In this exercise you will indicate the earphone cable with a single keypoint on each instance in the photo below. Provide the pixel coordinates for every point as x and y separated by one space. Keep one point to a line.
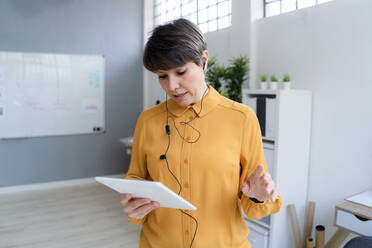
169 141
187 123
196 226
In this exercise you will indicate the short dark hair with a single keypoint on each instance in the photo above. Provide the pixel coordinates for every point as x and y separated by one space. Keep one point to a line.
174 44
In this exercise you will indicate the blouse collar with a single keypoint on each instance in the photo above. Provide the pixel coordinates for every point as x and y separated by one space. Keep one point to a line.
207 104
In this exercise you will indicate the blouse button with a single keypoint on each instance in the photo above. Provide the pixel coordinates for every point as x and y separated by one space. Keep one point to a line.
185 161
190 118
186 185
187 232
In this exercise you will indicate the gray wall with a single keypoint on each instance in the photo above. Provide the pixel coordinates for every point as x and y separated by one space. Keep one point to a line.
112 28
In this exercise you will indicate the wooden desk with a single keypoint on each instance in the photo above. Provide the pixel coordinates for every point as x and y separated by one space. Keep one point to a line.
354 218
350 217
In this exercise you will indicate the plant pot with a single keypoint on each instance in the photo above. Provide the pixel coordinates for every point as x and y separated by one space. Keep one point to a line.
286 85
263 85
273 85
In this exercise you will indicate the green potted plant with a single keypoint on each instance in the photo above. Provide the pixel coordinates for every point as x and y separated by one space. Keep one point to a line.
286 82
235 75
273 82
263 84
215 74
228 81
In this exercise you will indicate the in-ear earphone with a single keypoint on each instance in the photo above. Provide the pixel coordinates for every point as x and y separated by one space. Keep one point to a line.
204 63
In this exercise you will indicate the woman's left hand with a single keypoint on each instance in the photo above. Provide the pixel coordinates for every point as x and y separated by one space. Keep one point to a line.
260 186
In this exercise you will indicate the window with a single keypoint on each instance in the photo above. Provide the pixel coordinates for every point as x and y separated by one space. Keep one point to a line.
276 7
209 15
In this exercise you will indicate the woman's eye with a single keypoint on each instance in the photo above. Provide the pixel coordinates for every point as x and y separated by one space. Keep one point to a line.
179 73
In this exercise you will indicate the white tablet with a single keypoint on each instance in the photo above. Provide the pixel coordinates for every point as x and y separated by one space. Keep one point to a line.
156 191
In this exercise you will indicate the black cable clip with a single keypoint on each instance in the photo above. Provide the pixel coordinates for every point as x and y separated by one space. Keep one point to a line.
167 129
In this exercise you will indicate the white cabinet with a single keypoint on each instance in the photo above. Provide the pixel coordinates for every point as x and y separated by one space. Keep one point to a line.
269 151
258 236
286 139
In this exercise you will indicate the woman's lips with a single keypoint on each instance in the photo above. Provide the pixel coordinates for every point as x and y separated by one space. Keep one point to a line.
180 96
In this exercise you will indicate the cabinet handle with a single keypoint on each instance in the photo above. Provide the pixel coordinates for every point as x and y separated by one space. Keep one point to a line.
361 218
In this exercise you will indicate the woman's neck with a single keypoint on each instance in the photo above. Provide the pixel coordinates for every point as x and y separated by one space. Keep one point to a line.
203 93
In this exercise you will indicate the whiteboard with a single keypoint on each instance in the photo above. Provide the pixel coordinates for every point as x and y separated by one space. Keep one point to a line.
50 94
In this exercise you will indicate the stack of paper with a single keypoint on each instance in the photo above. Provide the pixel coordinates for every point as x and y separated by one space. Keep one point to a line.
364 198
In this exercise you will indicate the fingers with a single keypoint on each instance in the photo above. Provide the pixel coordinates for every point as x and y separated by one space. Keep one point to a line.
134 204
143 210
269 186
259 185
256 182
137 208
124 198
267 176
245 187
270 191
258 171
266 179
273 195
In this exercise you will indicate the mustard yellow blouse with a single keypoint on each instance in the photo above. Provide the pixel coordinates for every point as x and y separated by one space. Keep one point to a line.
210 170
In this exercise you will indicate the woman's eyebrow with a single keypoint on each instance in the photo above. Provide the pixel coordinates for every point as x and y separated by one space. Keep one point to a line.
173 69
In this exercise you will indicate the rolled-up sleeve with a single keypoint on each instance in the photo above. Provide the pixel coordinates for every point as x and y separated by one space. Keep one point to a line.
252 154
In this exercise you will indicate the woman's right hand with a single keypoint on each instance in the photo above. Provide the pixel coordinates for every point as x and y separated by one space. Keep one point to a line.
137 207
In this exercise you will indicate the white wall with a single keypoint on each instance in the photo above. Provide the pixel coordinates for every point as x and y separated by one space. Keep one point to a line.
327 49
223 44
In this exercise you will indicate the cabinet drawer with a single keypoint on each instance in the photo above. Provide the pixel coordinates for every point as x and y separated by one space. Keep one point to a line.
269 156
350 222
258 236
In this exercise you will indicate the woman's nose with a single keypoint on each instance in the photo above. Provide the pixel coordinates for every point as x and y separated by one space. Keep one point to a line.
173 83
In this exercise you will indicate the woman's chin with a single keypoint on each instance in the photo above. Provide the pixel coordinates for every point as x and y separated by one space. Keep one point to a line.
183 101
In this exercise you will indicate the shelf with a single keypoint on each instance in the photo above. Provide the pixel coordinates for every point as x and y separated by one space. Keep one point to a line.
260 223
268 145
260 92
268 139
285 114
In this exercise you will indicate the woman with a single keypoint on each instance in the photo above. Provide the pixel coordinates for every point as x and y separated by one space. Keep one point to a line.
201 145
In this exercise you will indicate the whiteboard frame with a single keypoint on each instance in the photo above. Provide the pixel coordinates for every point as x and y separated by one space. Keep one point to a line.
26 134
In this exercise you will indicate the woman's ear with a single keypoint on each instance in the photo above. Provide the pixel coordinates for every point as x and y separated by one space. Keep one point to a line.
205 60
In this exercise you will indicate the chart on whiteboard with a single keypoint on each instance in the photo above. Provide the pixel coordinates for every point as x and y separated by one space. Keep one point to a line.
50 94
